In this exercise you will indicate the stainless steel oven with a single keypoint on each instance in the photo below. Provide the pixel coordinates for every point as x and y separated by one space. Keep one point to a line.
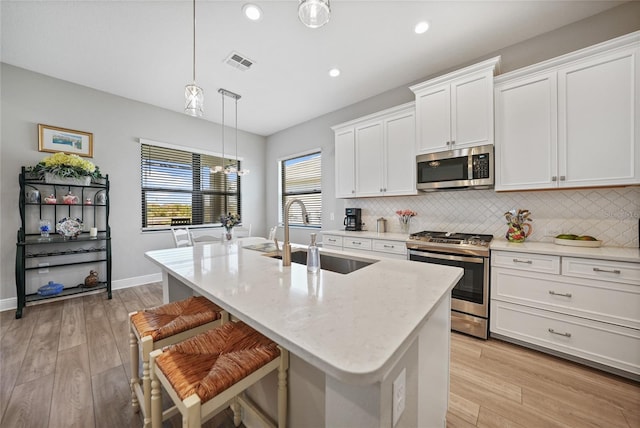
470 297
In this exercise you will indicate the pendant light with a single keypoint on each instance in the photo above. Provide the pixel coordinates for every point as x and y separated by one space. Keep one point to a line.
230 168
193 94
314 13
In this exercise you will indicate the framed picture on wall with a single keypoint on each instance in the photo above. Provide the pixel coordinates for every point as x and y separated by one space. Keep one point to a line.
53 139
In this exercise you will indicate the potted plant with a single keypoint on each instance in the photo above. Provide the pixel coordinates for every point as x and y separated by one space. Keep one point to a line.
63 168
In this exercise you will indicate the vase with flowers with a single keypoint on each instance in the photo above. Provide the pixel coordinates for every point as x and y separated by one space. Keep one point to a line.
405 216
63 168
228 222
518 229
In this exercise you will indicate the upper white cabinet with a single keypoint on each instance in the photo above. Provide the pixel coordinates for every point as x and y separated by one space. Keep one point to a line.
456 110
571 121
375 155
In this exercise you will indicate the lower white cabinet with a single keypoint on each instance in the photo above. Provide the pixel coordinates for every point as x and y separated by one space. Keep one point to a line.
579 307
382 247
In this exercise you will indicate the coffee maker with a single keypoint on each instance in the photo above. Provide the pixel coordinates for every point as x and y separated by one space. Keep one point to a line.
353 219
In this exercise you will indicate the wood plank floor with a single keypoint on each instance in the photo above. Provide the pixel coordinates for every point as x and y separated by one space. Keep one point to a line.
66 364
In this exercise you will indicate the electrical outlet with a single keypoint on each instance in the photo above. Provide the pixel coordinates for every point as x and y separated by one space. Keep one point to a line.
399 395
44 268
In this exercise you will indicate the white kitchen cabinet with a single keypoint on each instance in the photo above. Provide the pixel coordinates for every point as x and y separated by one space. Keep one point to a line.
582 308
370 243
571 121
526 133
344 163
375 155
456 110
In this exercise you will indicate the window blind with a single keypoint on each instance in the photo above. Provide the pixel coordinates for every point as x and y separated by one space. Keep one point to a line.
179 187
301 179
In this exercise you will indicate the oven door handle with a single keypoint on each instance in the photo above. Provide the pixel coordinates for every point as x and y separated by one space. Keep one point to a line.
478 260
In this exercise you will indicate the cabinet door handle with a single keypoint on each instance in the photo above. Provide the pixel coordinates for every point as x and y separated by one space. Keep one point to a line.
448 143
563 178
554 178
559 334
553 293
453 142
616 271
529 262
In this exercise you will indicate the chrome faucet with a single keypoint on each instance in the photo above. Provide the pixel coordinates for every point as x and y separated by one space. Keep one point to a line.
286 246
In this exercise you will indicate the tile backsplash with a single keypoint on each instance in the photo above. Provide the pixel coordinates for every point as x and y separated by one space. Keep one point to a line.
609 214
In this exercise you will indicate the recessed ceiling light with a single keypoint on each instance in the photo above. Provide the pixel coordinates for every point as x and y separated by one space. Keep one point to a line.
334 72
252 11
421 27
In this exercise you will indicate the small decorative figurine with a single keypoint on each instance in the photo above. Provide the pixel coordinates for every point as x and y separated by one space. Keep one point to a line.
88 201
51 199
70 199
92 279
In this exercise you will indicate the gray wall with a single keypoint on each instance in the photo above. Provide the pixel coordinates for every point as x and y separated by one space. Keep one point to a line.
316 133
116 123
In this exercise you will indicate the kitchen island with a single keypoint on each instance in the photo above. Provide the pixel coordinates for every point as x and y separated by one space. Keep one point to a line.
350 335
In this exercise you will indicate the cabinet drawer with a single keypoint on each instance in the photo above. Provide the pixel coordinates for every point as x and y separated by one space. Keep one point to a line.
607 344
603 270
597 300
393 247
357 243
332 240
526 261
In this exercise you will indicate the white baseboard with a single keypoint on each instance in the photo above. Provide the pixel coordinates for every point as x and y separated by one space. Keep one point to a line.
12 302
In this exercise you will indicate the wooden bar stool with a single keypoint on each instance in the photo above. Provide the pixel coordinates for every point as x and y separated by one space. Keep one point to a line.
208 372
164 325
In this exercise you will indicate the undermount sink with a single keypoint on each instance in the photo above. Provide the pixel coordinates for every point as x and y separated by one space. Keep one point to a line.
333 263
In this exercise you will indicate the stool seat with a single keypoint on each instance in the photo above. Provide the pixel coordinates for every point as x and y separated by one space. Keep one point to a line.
215 360
172 318
206 373
160 326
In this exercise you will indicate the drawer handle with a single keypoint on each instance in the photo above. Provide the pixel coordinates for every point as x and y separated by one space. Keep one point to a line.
529 262
559 334
553 293
389 246
616 271
356 243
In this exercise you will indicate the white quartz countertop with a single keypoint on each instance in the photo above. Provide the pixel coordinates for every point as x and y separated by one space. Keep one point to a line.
621 254
366 234
352 326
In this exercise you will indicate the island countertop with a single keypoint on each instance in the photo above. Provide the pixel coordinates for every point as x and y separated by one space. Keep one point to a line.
352 326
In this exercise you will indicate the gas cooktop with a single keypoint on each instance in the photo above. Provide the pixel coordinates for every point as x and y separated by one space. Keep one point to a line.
451 242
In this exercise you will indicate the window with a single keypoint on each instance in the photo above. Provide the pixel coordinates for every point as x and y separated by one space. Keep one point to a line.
301 179
179 187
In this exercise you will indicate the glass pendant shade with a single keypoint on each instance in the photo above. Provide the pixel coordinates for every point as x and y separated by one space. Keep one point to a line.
314 13
194 100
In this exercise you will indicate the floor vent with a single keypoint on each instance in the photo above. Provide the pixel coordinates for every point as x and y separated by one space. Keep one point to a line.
239 61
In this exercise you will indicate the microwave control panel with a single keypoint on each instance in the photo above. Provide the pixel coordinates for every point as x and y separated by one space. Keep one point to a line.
480 166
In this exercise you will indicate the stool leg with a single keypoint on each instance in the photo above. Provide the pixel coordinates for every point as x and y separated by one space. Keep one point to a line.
282 388
192 418
133 356
147 347
156 394
235 408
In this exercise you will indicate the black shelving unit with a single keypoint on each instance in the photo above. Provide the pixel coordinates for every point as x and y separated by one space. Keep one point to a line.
35 253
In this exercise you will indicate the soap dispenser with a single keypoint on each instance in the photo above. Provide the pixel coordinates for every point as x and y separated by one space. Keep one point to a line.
313 256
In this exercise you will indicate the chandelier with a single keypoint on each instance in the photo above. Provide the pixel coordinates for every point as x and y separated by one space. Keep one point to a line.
193 94
314 13
231 168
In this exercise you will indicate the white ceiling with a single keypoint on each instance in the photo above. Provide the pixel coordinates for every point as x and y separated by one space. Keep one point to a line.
142 49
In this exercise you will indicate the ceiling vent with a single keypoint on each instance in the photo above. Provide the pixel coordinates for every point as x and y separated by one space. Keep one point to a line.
239 61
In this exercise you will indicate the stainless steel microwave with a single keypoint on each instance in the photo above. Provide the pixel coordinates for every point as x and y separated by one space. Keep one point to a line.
467 168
